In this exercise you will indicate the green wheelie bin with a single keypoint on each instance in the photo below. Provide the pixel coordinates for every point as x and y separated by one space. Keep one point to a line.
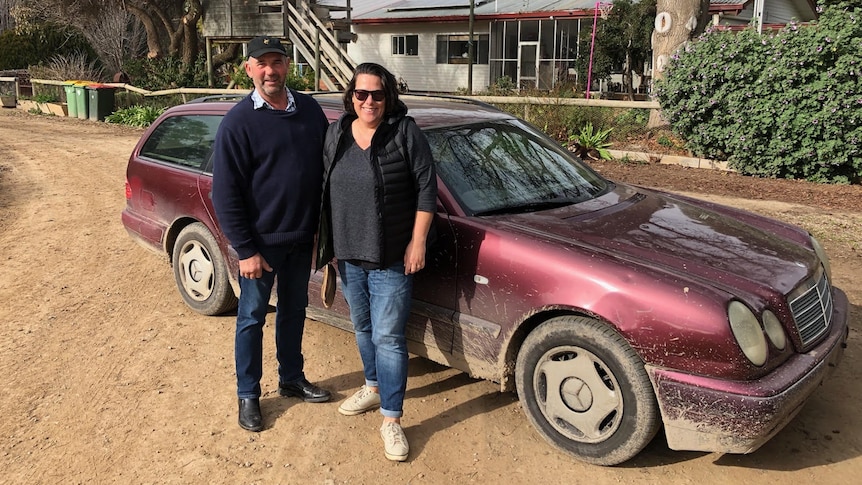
81 100
71 102
101 101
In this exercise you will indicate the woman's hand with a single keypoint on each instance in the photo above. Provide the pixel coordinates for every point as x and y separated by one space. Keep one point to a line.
414 257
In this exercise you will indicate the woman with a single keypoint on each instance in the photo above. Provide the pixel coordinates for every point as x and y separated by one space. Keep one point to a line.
380 196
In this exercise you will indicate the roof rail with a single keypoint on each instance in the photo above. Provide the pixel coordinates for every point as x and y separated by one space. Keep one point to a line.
446 97
452 97
218 97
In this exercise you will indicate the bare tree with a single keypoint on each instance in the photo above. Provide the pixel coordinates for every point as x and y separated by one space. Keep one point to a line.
676 22
116 35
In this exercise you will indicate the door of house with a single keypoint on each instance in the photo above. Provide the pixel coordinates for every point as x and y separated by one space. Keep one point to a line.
528 64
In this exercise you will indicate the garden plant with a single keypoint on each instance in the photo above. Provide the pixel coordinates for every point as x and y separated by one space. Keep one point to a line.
784 104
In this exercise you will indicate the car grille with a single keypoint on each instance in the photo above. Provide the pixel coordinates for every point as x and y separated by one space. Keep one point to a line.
812 308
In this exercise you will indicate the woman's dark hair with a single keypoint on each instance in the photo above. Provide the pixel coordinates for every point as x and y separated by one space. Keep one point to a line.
390 86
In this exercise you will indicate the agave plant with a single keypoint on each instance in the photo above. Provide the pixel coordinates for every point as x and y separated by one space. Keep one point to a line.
591 144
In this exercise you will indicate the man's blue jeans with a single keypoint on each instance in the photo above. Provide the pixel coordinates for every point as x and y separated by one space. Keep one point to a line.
292 265
379 303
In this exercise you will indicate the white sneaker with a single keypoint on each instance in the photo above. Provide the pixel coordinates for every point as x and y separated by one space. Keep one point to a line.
363 400
394 442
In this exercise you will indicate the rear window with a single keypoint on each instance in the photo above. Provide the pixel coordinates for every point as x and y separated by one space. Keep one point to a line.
185 141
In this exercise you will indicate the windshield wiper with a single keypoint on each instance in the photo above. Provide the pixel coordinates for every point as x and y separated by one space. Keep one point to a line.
532 206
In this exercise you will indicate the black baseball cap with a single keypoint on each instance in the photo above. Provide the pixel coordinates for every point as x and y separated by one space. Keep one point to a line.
264 45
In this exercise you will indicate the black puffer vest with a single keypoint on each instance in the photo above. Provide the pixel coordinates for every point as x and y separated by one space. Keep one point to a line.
395 186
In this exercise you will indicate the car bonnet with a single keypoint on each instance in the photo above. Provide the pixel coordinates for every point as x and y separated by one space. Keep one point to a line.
679 235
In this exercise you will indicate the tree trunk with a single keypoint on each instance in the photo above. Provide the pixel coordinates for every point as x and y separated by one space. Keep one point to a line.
676 22
229 53
628 81
190 33
154 48
182 38
174 35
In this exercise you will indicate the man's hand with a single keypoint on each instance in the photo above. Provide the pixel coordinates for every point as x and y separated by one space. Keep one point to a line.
253 267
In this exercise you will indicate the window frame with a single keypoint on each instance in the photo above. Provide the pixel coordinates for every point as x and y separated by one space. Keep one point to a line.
401 44
460 42
184 141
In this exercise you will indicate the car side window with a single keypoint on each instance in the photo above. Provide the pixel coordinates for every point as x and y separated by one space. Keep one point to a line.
185 140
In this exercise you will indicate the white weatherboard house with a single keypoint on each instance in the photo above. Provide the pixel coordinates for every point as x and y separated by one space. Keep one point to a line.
533 42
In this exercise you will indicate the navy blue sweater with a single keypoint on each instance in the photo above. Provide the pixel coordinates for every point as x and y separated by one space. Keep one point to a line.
267 174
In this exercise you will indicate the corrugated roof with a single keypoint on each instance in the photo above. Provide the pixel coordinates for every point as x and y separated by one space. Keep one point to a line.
419 9
358 7
386 11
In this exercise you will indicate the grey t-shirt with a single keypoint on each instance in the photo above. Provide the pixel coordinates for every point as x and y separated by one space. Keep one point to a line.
354 209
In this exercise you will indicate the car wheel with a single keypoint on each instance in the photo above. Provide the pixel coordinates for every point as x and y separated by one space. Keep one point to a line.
201 273
586 391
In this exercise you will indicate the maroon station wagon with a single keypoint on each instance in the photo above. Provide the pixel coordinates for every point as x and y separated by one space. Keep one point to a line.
613 310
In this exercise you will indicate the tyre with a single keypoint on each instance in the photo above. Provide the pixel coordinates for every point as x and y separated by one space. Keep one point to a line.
201 273
586 391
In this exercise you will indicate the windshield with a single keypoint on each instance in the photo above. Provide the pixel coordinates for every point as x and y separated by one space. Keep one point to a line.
508 166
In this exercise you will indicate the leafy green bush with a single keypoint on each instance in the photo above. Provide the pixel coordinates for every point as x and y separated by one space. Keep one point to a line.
630 122
141 116
166 73
300 81
784 104
46 98
36 46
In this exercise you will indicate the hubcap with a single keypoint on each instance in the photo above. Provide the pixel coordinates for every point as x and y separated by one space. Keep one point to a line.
197 271
578 395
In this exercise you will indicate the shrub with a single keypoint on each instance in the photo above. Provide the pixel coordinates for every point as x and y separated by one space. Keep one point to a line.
46 98
783 104
166 73
141 116
69 67
36 46
300 80
591 144
558 120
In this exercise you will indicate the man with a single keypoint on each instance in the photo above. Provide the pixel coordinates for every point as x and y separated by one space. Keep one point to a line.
267 177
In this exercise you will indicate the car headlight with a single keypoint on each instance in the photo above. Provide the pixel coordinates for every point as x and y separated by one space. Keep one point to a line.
748 333
821 253
774 330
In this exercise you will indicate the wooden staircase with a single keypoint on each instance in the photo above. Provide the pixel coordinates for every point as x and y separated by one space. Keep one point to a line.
318 45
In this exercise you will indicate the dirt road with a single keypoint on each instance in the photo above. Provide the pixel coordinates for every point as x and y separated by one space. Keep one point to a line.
107 377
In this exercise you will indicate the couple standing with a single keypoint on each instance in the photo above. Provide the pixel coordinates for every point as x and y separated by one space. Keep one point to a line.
275 158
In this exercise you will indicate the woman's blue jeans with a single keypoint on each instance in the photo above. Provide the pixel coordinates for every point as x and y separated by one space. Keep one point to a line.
379 303
292 266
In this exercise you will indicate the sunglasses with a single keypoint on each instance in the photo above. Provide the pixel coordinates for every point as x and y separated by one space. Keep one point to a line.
362 95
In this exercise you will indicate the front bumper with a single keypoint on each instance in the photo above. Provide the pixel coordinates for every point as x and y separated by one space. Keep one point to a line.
706 414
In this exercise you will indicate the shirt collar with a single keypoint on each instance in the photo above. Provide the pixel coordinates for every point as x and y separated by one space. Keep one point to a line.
259 103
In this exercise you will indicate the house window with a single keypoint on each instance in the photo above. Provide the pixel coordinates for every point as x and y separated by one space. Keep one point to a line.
405 45
454 49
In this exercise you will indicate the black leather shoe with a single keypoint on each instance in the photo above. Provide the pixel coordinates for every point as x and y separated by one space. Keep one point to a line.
305 390
249 414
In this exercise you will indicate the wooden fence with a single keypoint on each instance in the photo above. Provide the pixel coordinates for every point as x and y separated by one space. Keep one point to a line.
42 85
